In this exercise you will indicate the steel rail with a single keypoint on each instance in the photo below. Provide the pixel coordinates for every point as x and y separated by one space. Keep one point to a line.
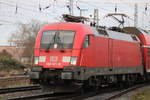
50 95
2 79
18 89
125 91
109 93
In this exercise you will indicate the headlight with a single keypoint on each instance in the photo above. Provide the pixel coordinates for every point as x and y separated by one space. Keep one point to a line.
36 60
73 60
66 59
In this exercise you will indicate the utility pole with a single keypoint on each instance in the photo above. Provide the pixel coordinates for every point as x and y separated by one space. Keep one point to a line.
96 17
82 10
136 15
71 7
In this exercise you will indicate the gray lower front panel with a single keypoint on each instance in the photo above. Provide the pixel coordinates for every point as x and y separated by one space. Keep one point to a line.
34 75
83 73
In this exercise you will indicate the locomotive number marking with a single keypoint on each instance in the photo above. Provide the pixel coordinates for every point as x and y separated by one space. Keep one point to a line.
53 64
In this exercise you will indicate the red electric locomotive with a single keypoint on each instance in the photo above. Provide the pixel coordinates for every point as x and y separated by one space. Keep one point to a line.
80 54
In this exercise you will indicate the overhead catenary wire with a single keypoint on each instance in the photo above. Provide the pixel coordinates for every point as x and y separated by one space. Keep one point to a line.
116 7
25 4
95 6
24 15
20 7
58 6
81 10
6 21
143 11
26 8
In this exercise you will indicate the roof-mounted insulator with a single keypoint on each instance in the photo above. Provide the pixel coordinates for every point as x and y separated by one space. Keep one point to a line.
40 9
16 9
115 7
146 7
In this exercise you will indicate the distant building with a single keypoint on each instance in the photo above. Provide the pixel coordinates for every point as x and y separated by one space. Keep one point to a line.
15 52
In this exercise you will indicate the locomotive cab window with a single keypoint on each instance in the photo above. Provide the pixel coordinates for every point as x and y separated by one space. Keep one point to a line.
57 39
86 42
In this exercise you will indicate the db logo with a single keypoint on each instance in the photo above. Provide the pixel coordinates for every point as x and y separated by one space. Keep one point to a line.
53 58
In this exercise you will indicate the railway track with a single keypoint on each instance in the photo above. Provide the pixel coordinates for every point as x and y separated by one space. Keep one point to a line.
46 96
102 94
14 80
118 94
18 89
110 93
2 79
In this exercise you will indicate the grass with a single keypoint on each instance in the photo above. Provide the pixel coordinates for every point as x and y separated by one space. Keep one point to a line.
1 97
9 67
143 95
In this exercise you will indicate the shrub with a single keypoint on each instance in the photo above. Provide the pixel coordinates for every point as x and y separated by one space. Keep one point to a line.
7 62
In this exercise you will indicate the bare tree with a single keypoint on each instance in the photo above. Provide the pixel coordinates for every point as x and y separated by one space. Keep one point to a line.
24 38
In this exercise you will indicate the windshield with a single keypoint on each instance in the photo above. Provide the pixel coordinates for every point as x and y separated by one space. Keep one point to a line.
57 39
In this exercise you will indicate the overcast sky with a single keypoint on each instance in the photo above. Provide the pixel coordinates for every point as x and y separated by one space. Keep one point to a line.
23 11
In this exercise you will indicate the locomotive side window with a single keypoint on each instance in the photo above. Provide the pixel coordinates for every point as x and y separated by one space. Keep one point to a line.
86 42
54 39
47 38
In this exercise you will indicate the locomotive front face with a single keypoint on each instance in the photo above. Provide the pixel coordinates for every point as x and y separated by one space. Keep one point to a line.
56 49
58 46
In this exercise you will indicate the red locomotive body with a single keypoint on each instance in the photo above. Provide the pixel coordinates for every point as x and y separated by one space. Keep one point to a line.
77 52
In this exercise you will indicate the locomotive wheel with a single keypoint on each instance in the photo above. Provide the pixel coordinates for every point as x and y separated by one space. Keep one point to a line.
45 87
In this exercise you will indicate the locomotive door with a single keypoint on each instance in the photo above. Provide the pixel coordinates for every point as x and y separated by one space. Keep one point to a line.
110 54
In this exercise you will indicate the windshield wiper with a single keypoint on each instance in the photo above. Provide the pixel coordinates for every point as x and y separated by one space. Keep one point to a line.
56 40
51 42
59 41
